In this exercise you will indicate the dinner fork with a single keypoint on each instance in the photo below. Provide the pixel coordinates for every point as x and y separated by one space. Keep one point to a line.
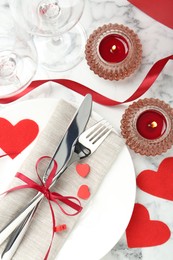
87 144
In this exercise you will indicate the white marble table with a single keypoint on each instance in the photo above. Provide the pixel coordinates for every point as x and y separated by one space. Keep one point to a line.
157 43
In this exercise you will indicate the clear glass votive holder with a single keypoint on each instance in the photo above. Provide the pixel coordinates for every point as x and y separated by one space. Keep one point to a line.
147 126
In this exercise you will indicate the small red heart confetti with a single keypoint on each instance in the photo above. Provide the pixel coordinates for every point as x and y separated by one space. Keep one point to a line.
158 183
143 232
83 169
83 192
15 138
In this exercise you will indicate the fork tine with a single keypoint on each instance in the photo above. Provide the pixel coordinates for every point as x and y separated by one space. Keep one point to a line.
100 127
93 128
102 135
95 135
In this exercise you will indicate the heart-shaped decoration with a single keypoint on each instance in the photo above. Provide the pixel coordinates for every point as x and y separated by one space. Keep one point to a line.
158 183
143 232
158 9
83 169
15 138
83 192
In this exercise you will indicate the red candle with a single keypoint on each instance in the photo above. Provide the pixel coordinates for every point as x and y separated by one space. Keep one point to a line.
113 48
151 124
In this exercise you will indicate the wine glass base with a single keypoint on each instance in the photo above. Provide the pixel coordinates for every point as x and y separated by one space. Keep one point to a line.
61 53
16 73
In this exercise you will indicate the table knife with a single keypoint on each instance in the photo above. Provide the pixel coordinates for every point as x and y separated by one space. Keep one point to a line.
62 155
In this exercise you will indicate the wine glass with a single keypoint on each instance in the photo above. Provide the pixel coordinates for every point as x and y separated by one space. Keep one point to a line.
18 56
60 42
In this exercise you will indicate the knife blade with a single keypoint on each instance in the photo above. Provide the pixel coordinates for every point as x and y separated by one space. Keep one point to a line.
66 147
62 155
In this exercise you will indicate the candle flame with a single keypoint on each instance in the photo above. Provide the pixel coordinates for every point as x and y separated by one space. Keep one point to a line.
113 48
153 124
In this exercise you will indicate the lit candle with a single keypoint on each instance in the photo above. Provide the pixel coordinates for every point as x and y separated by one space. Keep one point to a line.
151 124
113 48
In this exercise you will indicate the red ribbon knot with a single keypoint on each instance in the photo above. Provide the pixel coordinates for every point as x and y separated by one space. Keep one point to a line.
46 193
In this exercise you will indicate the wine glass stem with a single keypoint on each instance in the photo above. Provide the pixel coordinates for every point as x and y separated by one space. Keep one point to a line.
57 40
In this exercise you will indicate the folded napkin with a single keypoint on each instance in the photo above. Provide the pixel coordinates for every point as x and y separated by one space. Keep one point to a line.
38 236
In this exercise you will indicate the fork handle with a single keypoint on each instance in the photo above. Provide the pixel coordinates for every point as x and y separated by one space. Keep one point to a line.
17 236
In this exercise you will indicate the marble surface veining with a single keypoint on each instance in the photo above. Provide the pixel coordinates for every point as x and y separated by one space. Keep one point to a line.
157 41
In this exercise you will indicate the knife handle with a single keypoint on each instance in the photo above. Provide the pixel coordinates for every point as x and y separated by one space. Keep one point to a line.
11 226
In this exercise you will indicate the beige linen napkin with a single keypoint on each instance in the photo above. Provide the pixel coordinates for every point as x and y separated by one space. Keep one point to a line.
37 239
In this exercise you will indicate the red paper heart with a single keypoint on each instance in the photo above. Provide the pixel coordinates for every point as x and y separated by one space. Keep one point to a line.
15 138
83 169
158 9
143 232
83 192
158 183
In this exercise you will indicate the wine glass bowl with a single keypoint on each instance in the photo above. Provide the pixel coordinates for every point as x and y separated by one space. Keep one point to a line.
47 17
60 42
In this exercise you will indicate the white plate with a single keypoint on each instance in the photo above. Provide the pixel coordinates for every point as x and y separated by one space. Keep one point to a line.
107 216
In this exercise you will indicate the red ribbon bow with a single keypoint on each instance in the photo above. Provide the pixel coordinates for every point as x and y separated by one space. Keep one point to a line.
50 196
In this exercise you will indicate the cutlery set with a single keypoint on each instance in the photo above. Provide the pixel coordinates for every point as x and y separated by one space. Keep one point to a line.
76 144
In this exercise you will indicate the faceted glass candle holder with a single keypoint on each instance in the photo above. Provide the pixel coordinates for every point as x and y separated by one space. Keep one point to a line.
113 51
147 126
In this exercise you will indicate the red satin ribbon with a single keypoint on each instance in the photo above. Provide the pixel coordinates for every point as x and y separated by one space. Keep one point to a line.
150 78
50 196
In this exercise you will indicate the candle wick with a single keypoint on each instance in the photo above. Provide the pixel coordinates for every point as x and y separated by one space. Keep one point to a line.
113 48
153 124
